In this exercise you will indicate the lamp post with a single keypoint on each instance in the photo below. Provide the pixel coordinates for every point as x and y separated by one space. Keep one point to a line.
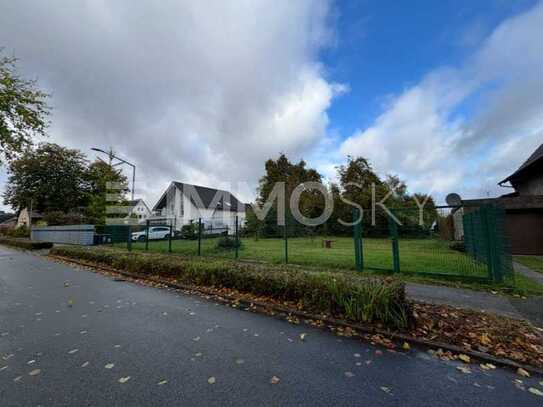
113 156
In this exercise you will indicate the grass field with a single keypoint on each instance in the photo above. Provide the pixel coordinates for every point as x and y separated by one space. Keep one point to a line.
416 255
419 259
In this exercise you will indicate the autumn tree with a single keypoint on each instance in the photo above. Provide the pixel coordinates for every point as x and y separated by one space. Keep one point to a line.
23 110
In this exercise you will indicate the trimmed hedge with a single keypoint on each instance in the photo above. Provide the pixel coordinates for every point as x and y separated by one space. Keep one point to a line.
25 243
343 295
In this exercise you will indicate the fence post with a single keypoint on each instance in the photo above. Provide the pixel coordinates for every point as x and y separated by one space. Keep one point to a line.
170 238
285 231
129 238
356 240
199 236
237 238
395 246
147 235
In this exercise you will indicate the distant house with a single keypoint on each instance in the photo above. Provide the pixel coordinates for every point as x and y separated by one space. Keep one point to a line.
24 217
523 206
184 203
138 209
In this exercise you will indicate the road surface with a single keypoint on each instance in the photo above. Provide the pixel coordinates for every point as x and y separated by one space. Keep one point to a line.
69 337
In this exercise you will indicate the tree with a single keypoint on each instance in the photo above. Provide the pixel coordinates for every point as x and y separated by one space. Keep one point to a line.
311 202
23 110
98 176
53 177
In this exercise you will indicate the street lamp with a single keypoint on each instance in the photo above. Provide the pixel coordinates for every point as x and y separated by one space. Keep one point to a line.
111 157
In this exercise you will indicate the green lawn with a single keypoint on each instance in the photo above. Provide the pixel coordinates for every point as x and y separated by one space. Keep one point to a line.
532 262
419 259
416 255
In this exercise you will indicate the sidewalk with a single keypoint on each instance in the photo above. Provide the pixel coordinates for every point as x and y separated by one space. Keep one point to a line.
530 309
463 298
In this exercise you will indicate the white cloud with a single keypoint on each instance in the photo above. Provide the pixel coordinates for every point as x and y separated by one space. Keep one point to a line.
426 137
198 91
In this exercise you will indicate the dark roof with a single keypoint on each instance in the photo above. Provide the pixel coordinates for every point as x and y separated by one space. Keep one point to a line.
226 201
535 157
508 202
133 202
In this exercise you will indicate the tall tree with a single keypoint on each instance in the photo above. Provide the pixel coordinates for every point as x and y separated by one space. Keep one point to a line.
53 177
282 170
23 110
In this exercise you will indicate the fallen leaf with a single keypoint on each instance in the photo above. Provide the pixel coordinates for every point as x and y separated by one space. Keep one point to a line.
85 364
109 366
73 351
17 378
463 369
124 379
349 374
275 380
302 337
487 366
385 389
35 372
522 372
406 346
535 391
464 358
211 380
162 382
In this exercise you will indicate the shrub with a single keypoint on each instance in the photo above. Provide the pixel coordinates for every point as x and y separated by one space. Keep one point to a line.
228 242
21 231
343 295
189 231
25 243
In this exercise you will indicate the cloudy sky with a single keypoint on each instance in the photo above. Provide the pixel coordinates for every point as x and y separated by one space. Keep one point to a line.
446 94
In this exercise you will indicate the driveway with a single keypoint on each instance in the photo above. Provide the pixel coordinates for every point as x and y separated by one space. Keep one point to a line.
69 337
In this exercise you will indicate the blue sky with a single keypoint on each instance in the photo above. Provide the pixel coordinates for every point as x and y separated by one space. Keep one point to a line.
446 94
383 47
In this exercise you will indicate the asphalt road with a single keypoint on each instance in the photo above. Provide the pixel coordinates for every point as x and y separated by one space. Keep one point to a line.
122 344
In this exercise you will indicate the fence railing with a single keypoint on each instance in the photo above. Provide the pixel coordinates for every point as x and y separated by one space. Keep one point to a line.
405 241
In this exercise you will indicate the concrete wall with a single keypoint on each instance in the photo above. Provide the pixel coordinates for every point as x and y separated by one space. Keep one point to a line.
70 234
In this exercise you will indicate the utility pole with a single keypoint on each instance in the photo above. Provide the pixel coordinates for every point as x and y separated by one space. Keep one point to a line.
111 157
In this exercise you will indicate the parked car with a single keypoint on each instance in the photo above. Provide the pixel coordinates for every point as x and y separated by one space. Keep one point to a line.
155 233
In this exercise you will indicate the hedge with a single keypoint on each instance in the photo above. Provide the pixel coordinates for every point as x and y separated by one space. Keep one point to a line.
25 243
342 295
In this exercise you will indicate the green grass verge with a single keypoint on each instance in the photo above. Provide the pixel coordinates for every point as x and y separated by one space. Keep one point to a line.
532 262
346 295
25 243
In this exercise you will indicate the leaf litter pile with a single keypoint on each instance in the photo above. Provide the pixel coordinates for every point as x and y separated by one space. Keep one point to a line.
498 336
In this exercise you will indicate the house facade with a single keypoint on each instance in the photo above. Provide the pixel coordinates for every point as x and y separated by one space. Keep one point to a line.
139 210
24 218
523 207
183 204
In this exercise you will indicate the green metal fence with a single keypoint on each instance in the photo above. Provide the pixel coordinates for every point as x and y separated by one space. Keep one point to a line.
406 241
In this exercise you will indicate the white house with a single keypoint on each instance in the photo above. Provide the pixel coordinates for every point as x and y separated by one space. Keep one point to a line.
186 203
138 209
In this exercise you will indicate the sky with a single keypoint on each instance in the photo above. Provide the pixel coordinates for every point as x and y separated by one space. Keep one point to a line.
448 95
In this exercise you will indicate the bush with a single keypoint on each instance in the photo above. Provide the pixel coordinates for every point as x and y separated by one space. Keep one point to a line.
343 295
59 218
21 231
189 231
228 242
25 243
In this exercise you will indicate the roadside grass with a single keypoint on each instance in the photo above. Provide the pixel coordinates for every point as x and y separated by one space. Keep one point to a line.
417 257
532 262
